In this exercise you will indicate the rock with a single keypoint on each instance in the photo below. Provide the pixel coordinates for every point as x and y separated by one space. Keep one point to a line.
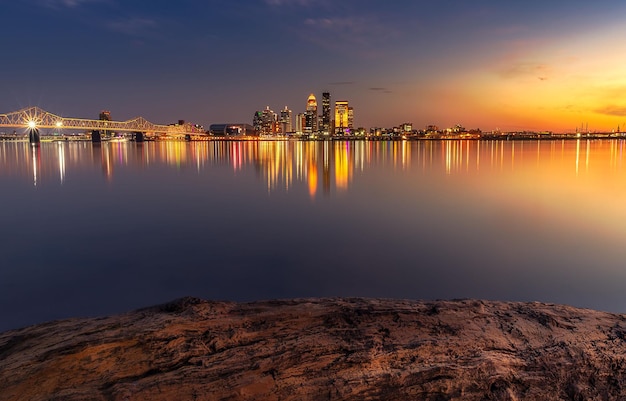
321 349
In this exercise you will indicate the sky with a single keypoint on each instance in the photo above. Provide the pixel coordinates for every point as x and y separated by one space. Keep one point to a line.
531 65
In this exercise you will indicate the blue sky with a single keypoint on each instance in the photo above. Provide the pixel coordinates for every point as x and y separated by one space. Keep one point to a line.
486 64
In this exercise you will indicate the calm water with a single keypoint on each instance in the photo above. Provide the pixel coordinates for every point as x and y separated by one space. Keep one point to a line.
90 230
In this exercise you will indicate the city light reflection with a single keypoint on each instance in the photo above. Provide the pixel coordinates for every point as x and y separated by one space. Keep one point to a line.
327 165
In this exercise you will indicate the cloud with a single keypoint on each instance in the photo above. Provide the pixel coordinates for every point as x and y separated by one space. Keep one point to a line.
133 26
69 3
524 70
363 35
291 2
380 89
612 110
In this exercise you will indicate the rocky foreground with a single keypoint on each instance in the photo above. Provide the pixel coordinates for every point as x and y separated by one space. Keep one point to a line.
322 349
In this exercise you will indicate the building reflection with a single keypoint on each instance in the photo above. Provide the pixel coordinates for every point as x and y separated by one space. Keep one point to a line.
316 168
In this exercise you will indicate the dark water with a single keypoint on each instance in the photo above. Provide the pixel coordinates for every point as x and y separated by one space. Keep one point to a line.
90 230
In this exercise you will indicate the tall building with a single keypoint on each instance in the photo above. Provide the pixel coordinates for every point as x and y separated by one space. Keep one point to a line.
264 122
325 128
350 119
341 116
311 115
105 115
285 121
300 123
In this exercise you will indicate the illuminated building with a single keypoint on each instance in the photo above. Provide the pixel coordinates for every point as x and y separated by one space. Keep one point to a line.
341 116
285 121
105 115
310 126
264 122
325 128
231 129
300 123
350 119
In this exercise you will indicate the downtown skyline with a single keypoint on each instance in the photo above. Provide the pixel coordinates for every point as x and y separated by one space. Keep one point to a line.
487 65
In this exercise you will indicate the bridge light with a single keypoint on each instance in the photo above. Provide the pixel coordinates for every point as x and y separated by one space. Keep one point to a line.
59 123
32 124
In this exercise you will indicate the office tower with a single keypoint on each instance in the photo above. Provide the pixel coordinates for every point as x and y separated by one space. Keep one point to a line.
285 121
264 122
325 129
311 115
257 121
105 115
350 119
300 123
341 116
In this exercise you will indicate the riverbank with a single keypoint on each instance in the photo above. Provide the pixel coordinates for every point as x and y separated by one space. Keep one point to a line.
310 349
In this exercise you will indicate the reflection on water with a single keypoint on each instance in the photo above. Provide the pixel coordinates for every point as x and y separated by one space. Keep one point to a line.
97 229
329 166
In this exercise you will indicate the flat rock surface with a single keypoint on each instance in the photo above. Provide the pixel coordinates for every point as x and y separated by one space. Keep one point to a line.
322 349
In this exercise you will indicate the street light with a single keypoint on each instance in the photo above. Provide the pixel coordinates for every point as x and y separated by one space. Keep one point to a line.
32 124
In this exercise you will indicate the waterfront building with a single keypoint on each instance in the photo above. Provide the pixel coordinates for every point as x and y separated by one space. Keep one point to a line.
286 125
311 126
232 129
341 116
105 115
300 123
265 122
350 119
325 128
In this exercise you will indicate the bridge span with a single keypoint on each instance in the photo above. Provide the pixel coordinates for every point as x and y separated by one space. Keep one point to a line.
35 118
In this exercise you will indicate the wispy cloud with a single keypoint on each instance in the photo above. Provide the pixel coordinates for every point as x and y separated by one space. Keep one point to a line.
612 110
70 3
133 26
292 2
380 89
524 70
361 35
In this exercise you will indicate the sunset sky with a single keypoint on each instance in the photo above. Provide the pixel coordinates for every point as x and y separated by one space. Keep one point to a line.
533 65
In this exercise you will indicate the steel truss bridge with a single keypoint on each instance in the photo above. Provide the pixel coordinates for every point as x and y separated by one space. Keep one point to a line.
35 117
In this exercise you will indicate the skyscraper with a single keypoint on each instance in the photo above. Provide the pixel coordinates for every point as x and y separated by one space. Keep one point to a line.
264 122
311 115
105 115
325 113
341 116
300 123
285 121
351 119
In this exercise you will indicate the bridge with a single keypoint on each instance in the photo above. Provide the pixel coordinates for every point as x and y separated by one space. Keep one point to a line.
34 118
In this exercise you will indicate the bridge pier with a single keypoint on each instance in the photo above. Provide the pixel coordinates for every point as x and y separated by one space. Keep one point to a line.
187 137
33 136
96 137
138 136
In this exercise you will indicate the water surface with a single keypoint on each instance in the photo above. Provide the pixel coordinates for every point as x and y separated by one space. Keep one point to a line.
99 229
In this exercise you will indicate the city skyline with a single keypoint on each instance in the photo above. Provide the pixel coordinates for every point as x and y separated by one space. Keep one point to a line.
530 66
